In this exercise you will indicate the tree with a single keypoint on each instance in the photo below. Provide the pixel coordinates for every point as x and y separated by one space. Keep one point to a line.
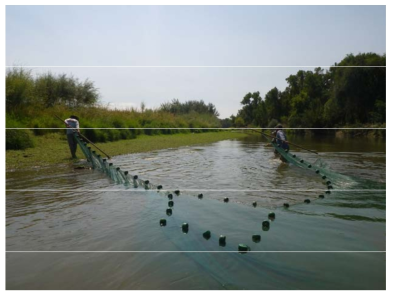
253 110
239 122
176 107
273 105
19 88
322 98
356 90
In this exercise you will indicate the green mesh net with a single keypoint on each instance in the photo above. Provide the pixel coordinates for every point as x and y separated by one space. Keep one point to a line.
330 178
113 172
331 181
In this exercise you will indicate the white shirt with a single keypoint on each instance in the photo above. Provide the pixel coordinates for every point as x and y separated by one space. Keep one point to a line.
74 124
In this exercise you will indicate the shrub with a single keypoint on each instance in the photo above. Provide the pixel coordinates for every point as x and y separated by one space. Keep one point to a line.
18 139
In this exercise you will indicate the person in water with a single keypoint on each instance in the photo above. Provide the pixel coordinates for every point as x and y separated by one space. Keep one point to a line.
281 138
73 126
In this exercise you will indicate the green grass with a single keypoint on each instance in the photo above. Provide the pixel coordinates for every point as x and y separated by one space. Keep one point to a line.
53 148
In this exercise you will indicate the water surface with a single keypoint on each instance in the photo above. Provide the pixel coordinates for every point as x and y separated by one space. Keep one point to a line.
59 208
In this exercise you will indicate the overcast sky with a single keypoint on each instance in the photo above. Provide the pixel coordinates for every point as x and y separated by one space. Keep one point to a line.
185 36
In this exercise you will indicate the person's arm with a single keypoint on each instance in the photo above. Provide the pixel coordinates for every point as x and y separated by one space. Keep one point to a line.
77 127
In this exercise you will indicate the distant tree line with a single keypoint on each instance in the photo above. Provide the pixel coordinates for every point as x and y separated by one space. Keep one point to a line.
322 98
177 107
47 90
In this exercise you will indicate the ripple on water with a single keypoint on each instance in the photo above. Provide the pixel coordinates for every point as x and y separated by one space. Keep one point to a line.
243 171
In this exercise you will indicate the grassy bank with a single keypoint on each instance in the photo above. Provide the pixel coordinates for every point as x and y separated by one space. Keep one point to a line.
53 149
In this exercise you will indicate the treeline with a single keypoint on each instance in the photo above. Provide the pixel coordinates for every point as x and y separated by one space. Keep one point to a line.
177 107
338 97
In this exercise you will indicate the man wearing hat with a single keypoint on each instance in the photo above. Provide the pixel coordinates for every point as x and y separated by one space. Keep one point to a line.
73 126
281 138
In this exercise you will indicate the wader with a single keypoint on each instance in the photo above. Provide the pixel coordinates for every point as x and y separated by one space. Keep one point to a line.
72 144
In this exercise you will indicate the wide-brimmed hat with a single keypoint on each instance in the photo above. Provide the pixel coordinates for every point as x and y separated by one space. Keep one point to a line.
279 126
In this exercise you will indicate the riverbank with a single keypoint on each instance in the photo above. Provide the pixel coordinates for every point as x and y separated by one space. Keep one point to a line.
52 148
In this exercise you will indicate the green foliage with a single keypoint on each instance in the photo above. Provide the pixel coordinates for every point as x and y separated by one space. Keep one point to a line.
253 111
335 97
273 123
129 122
357 90
176 107
18 139
226 123
239 122
47 90
34 103
19 88
378 114
272 103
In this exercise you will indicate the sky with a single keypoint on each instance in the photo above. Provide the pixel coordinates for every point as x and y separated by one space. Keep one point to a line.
188 36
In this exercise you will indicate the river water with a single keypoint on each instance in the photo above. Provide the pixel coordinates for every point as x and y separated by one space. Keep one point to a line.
76 229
